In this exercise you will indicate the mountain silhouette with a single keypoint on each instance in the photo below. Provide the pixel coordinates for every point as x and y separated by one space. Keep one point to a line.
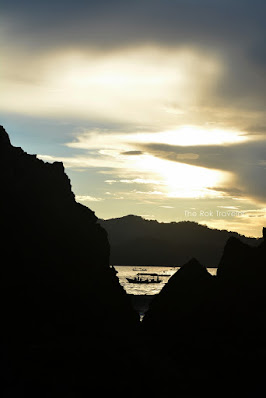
136 241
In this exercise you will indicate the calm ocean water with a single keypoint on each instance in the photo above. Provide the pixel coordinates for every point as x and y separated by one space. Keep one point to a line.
146 289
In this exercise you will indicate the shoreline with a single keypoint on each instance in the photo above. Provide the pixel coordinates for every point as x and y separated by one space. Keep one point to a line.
152 265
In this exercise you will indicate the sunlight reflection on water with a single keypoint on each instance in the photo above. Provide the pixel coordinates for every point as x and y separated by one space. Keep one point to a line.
124 272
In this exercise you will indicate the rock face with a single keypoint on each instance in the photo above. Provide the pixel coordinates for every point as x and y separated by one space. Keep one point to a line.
218 323
243 263
56 284
55 257
242 276
239 290
180 306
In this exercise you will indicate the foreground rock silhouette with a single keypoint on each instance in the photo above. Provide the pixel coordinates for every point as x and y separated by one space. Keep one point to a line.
68 329
181 300
57 290
217 323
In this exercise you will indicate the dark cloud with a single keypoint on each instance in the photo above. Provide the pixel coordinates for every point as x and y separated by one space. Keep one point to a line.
235 31
233 192
112 22
257 129
223 157
245 160
132 153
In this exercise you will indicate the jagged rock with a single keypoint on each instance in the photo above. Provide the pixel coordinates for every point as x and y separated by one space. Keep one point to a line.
215 326
181 305
242 263
64 314
55 274
242 277
233 301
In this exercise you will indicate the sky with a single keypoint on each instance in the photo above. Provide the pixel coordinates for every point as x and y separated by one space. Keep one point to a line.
155 107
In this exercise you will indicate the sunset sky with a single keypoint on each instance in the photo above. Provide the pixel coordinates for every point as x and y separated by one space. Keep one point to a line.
155 107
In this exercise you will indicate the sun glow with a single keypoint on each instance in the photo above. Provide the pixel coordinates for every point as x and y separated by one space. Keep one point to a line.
144 84
171 178
190 136
182 180
185 135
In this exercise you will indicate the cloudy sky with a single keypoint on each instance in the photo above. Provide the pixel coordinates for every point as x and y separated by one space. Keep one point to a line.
156 107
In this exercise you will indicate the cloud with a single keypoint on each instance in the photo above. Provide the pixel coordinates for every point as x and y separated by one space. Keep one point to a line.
155 63
185 156
229 207
245 160
166 94
113 22
167 178
122 86
135 181
133 153
234 166
181 60
87 198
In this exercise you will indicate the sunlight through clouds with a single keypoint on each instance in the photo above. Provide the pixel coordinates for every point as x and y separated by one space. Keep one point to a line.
182 180
191 135
131 85
157 103
174 179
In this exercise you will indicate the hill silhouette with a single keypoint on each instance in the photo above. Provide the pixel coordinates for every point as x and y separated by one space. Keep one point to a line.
136 241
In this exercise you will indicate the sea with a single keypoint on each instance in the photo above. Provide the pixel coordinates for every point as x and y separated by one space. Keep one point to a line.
141 295
165 273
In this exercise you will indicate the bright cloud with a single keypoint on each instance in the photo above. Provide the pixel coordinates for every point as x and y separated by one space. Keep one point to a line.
137 85
174 179
155 101
87 198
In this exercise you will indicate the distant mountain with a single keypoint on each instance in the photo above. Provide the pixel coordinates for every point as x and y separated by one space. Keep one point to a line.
136 241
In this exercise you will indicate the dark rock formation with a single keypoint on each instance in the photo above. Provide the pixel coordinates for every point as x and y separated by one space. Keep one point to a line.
136 241
180 307
218 324
66 321
241 262
242 276
56 286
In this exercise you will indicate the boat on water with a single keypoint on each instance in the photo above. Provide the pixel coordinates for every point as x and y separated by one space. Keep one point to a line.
145 278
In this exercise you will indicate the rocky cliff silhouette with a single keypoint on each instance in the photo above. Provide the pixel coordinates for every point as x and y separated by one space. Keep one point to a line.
57 288
218 323
67 328
136 241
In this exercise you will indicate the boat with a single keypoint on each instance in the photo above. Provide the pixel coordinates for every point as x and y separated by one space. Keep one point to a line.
145 278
